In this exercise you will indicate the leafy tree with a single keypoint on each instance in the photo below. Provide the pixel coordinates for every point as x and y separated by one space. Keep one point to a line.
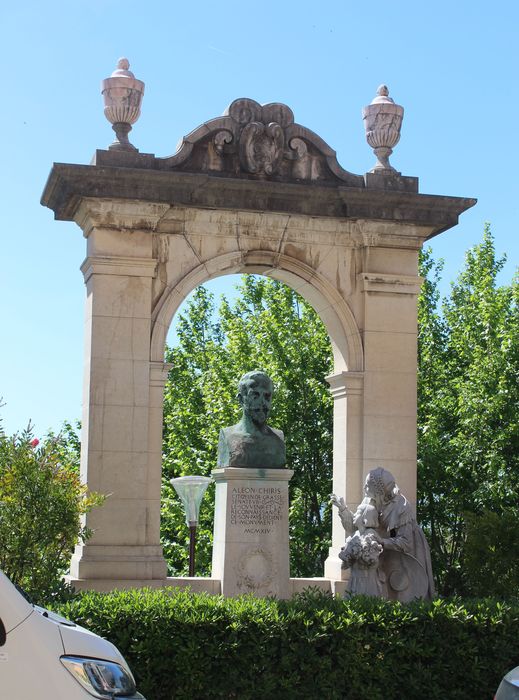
491 557
467 416
272 328
41 501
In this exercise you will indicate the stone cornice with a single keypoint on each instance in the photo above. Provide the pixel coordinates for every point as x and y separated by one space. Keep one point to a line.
68 185
131 215
128 267
345 384
239 473
159 373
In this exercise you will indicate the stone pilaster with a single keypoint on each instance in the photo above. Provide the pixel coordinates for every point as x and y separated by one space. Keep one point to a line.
347 389
120 389
390 349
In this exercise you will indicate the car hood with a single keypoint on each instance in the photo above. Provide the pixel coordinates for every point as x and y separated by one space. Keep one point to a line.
512 677
78 641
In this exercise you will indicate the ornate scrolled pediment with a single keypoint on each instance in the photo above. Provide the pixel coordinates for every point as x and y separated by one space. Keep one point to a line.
259 142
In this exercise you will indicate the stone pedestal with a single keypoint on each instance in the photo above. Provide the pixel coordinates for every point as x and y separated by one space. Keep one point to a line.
251 542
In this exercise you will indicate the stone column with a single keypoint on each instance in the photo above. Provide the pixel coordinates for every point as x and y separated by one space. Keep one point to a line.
251 541
347 392
121 405
390 346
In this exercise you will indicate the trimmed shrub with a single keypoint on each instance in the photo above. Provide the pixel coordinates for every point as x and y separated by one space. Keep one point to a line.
188 646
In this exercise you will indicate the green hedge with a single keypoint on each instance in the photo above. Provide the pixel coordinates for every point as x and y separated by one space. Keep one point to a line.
182 645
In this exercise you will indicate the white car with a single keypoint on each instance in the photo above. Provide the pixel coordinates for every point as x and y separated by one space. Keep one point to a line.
509 686
45 657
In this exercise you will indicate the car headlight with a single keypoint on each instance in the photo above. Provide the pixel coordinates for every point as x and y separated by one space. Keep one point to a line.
104 679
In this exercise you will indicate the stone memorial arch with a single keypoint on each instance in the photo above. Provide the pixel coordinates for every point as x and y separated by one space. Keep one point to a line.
253 192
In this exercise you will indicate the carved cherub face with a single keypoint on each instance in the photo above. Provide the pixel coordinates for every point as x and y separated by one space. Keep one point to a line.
255 397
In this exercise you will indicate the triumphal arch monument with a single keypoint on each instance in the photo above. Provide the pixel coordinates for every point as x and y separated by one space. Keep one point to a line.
251 191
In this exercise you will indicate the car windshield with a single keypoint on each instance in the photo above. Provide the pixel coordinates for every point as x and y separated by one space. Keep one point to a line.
54 616
22 592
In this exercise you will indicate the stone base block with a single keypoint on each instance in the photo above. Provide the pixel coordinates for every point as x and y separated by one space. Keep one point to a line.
104 585
118 562
339 588
199 584
298 585
195 584
333 566
390 180
251 543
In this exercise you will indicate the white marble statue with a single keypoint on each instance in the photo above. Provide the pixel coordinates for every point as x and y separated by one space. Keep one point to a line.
404 567
361 553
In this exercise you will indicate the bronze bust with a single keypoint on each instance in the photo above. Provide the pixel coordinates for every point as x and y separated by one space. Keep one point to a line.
251 443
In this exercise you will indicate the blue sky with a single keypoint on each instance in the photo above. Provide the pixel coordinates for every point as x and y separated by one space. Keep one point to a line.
452 65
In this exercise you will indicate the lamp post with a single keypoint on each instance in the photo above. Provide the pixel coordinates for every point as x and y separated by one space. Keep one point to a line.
190 490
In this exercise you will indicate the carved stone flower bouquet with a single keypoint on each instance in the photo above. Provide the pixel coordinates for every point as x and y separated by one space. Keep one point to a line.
361 550
361 554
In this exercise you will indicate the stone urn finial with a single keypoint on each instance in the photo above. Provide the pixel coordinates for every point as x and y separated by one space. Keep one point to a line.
122 94
382 121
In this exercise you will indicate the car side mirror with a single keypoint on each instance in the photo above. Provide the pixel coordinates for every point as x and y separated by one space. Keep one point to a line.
3 635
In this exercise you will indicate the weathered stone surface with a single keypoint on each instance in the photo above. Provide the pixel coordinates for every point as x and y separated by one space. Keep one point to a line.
268 163
122 95
68 184
250 544
382 121
390 180
259 141
239 196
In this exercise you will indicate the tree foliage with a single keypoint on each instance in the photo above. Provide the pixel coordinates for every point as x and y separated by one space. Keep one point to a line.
468 419
468 432
271 328
468 395
41 503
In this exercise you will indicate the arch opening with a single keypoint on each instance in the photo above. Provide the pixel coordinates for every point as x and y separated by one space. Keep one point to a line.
331 308
303 409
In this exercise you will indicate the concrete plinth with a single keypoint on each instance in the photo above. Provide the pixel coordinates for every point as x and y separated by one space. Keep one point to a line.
251 543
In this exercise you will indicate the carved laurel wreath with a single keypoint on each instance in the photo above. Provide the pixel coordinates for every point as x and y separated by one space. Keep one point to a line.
248 580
